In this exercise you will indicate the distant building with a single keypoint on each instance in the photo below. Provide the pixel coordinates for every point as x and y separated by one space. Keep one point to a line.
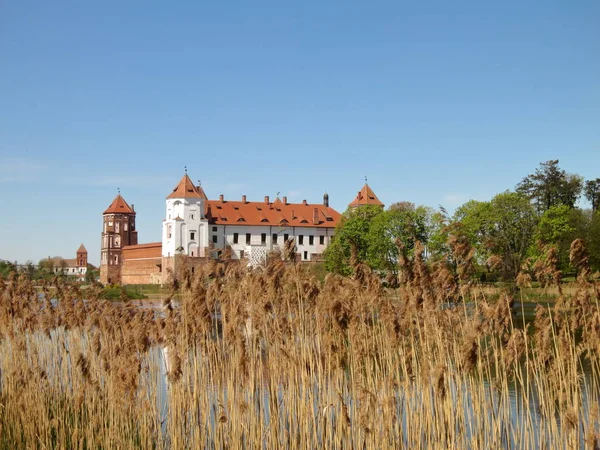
73 267
203 229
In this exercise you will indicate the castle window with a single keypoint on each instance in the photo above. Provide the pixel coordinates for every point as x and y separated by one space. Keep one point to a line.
117 259
285 237
301 239
192 235
117 227
125 226
192 216
263 238
117 241
305 256
215 239
214 229
311 240
274 238
169 231
248 237
236 237
322 240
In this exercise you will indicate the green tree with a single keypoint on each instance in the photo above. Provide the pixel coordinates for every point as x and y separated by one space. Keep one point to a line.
402 222
593 241
511 230
374 233
352 231
476 219
6 267
592 193
554 225
550 186
503 227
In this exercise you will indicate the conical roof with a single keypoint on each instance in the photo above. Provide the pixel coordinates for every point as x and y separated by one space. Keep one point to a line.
186 189
82 249
366 196
119 206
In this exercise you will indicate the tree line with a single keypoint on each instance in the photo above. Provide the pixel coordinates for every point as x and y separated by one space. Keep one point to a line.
500 238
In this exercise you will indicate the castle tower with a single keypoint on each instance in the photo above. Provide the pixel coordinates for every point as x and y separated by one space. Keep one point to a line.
82 256
185 228
366 196
117 232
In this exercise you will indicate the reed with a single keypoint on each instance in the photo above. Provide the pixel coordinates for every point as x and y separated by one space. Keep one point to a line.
276 358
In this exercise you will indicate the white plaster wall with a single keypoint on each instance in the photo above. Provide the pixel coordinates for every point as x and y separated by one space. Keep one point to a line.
225 236
191 211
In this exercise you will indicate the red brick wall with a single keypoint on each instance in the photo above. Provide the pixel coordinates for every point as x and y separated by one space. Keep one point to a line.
142 271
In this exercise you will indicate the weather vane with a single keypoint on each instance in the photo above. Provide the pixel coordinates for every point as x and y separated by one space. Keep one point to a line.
199 183
365 178
185 168
118 190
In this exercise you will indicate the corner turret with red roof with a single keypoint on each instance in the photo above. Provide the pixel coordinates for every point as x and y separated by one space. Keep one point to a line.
365 196
117 232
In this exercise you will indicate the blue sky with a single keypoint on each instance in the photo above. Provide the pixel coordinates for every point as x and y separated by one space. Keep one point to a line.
436 102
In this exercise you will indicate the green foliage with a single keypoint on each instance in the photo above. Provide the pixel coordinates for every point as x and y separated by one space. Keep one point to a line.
402 222
121 293
476 219
503 228
352 230
91 275
593 240
554 225
511 230
592 193
374 232
6 267
550 186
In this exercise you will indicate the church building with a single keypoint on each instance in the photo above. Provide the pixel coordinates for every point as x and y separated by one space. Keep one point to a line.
204 229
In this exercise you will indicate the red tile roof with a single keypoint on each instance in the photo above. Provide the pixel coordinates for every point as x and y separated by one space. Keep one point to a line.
186 189
81 249
119 206
275 214
366 196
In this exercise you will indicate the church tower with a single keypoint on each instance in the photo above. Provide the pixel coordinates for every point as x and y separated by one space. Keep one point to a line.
185 228
82 255
118 231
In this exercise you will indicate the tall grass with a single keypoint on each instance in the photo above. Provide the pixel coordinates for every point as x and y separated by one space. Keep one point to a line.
276 358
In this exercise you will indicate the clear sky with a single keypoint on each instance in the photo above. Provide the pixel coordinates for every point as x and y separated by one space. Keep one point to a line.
436 102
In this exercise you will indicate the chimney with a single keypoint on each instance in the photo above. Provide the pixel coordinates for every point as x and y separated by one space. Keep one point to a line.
243 199
326 200
267 199
285 200
315 216
304 202
133 207
221 198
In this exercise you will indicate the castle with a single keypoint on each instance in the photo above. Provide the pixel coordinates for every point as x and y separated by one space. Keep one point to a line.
203 229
